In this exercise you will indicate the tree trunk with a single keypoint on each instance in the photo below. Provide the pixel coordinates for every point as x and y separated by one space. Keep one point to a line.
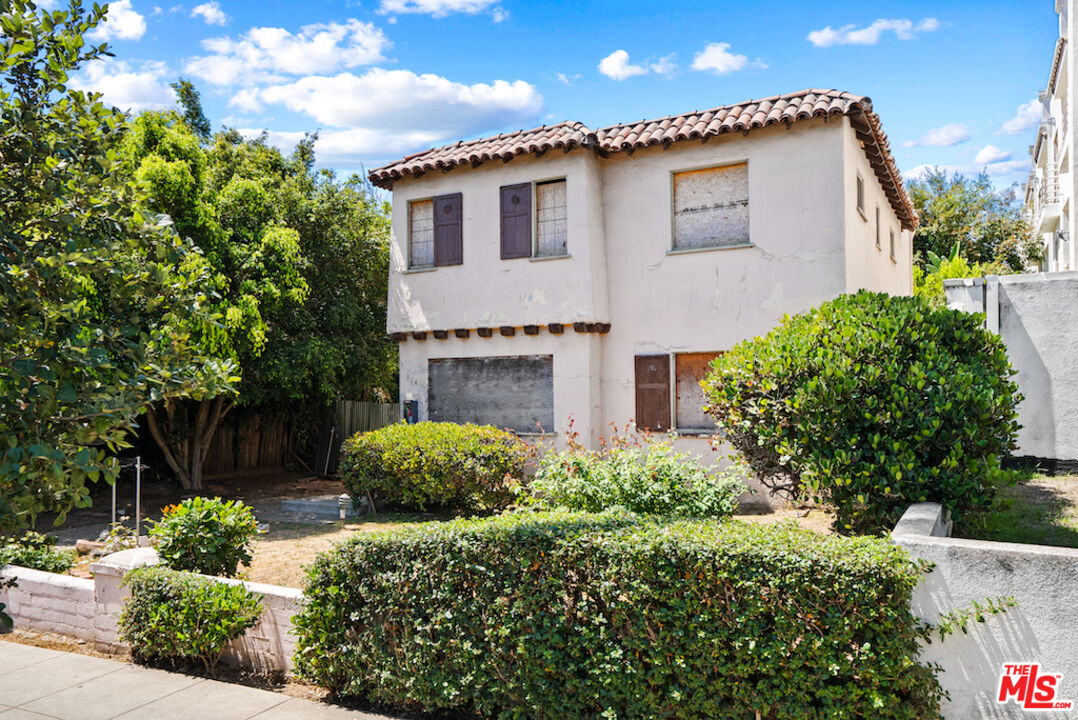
184 431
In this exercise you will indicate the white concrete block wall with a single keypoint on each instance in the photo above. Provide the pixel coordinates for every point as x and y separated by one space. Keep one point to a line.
90 609
1043 628
49 602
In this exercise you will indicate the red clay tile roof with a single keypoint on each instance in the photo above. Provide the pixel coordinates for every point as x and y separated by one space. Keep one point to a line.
746 116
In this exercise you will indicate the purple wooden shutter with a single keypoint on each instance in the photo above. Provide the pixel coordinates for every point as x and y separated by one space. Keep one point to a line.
448 238
653 392
516 221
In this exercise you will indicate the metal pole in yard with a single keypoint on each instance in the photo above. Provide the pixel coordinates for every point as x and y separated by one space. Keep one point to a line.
138 494
114 502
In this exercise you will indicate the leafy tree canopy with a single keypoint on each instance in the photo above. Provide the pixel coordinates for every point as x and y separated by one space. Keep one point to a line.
99 296
986 223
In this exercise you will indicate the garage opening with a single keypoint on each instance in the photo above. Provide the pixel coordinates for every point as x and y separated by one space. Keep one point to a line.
516 393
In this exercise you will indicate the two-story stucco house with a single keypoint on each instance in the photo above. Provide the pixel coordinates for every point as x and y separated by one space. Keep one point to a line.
568 273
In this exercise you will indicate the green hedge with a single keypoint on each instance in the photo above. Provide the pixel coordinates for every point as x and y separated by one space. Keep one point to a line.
563 615
37 552
435 465
182 616
871 403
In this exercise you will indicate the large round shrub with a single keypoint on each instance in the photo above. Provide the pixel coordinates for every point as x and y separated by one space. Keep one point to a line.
871 402
431 465
207 536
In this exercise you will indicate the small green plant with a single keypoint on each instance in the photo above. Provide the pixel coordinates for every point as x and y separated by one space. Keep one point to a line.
870 403
960 618
435 465
6 621
37 552
175 615
652 479
208 536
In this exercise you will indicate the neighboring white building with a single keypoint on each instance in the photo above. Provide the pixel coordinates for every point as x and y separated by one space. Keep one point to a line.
567 274
1049 192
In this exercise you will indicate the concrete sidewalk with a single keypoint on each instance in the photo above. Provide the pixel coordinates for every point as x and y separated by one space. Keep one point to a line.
40 684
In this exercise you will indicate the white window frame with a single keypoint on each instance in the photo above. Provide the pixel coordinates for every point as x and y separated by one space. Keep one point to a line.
408 233
535 218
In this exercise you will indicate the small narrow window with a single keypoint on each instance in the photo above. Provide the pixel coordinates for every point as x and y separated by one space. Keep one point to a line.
551 220
877 227
892 244
690 369
861 195
653 392
421 234
711 207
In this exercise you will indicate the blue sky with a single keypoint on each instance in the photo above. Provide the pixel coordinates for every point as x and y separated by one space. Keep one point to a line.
952 81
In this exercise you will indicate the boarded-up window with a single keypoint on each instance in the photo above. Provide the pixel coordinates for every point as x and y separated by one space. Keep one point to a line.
421 233
653 392
551 221
516 209
508 392
691 369
711 207
448 235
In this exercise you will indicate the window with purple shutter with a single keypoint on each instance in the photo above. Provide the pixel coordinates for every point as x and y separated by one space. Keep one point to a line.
448 236
653 392
516 202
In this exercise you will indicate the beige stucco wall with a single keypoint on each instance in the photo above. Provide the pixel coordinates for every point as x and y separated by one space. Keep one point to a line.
869 267
621 269
486 290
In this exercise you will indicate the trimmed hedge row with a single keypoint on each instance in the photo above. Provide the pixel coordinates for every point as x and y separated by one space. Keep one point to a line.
571 615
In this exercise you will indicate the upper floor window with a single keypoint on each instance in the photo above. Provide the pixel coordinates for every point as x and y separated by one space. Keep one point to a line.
877 227
550 221
861 196
892 244
434 232
711 207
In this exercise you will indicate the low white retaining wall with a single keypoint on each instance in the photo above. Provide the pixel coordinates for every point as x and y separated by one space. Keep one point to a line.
1043 628
90 609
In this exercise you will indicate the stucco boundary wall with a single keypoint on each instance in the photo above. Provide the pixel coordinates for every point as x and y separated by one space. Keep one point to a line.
1043 628
89 610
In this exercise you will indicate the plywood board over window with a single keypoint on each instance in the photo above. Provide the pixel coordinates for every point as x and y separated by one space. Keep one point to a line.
711 207
551 219
508 392
421 234
691 369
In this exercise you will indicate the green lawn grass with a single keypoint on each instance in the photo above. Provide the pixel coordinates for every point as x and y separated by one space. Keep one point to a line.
1041 510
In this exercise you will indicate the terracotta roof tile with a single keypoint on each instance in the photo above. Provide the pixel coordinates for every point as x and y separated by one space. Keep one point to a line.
754 114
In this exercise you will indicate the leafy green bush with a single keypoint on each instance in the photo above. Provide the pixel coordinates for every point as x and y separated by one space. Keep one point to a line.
38 552
435 465
928 281
569 615
870 403
207 536
653 479
177 615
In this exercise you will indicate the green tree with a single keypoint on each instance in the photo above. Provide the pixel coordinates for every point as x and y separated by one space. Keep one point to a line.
299 266
191 102
98 295
985 222
928 280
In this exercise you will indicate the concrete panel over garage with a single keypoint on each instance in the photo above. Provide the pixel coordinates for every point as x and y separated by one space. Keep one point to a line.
508 392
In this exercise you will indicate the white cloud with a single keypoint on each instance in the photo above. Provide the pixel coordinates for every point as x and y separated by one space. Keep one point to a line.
1025 118
616 66
126 87
403 102
1000 169
945 136
441 8
567 79
211 13
122 22
265 54
991 154
353 146
870 34
718 59
665 66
